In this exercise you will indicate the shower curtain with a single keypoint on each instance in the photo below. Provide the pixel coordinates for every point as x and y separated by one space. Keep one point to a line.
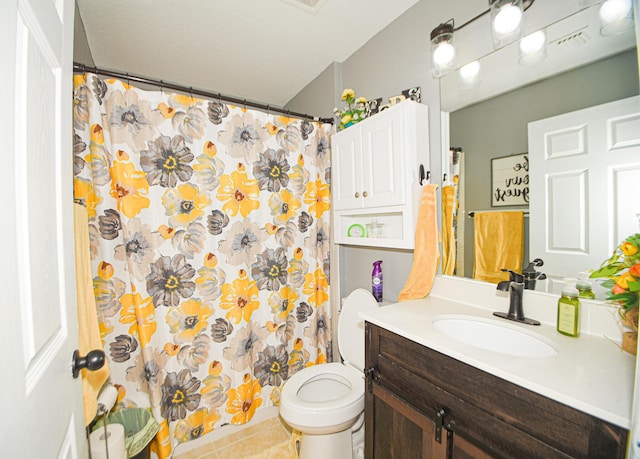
209 238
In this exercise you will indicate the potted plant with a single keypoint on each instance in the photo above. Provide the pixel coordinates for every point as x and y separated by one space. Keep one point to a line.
622 279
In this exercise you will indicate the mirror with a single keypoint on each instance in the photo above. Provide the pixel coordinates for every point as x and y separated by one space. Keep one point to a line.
489 120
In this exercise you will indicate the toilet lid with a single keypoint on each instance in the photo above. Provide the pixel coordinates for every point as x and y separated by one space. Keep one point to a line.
351 326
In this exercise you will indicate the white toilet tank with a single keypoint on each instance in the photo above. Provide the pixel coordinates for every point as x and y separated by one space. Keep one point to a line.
351 327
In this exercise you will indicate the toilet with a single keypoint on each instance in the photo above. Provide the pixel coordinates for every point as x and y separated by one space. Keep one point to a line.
326 402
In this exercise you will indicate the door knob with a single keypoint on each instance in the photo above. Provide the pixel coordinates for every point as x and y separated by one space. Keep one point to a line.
364 194
357 194
93 361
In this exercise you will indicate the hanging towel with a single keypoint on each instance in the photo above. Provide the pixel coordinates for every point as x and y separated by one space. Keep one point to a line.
88 329
498 244
448 234
426 254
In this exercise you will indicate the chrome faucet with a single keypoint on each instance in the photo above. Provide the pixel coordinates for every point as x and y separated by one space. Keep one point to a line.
515 286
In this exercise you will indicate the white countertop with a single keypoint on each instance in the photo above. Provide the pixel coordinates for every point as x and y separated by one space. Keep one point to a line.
590 373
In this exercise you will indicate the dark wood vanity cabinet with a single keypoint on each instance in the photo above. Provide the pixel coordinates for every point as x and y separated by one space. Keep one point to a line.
423 404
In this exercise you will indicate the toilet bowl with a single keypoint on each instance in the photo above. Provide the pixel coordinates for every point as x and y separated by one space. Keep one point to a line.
326 402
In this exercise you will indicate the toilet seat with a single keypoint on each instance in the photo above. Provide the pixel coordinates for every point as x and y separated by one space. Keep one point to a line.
297 410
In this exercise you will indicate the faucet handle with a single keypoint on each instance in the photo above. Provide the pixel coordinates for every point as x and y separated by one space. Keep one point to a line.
531 275
513 276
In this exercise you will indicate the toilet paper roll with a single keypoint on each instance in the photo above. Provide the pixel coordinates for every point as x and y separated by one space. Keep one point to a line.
113 440
108 397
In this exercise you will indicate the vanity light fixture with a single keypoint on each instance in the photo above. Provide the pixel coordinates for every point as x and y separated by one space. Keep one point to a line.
616 17
506 19
533 48
443 52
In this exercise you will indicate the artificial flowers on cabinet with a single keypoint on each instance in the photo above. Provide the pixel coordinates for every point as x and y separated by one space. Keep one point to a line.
354 111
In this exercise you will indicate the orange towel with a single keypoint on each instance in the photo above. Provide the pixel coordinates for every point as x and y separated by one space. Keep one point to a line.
88 329
426 255
448 236
498 244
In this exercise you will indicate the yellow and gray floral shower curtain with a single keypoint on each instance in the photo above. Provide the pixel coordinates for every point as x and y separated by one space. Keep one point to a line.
209 228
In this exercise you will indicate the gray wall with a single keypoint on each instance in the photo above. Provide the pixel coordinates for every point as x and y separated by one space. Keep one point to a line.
319 96
498 127
81 50
397 58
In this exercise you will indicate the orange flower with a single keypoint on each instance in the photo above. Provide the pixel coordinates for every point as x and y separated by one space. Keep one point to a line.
240 298
129 187
244 401
140 313
624 279
635 270
629 248
239 193
318 196
315 285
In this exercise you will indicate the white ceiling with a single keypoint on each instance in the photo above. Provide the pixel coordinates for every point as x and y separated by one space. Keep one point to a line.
262 50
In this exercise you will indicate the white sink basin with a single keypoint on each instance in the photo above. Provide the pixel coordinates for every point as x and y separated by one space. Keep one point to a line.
495 336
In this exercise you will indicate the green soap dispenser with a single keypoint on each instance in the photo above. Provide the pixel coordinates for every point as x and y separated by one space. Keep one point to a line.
569 309
584 287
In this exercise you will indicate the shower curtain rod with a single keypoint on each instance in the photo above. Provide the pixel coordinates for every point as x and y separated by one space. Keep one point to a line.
81 68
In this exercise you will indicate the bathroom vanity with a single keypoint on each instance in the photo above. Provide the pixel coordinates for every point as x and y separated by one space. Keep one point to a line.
431 394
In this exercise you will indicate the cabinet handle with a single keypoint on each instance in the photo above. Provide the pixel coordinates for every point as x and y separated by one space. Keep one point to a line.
357 194
364 194
370 374
439 422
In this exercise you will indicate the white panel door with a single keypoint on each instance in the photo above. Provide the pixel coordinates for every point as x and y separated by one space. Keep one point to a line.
585 170
41 402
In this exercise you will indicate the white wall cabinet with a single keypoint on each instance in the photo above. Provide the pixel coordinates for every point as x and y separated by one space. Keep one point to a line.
375 176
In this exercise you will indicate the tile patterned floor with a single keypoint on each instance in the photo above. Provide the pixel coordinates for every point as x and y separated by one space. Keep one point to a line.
269 439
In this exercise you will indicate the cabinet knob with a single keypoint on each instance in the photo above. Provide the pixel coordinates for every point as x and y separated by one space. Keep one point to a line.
357 194
364 194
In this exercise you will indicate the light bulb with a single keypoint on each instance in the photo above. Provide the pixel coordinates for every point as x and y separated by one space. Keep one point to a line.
469 74
507 20
614 10
533 48
470 71
615 17
443 54
533 42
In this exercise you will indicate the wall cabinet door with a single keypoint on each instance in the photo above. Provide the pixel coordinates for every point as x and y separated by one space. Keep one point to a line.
347 169
383 162
369 163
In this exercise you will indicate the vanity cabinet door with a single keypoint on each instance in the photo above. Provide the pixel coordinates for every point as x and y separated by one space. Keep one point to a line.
401 431
487 415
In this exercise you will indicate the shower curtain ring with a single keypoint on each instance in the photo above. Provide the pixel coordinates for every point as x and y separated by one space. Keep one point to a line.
161 87
244 104
128 80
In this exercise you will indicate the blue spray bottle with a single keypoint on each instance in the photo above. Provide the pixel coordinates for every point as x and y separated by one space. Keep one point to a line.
376 281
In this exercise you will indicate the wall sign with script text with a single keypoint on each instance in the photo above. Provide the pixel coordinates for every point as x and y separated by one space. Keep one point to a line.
510 180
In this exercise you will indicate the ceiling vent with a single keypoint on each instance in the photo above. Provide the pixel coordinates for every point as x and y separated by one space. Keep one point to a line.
574 40
310 6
